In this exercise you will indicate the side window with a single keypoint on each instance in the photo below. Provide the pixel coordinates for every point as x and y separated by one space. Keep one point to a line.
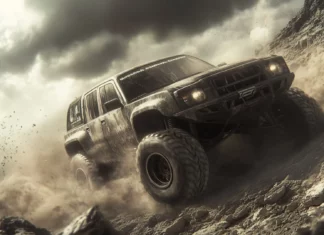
74 115
108 94
92 105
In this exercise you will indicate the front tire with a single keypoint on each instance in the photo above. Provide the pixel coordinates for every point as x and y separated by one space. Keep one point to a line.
173 166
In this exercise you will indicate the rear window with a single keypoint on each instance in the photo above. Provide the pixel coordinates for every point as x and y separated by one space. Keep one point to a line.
74 117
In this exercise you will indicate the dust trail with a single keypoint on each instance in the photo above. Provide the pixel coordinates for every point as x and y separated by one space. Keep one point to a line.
37 184
310 73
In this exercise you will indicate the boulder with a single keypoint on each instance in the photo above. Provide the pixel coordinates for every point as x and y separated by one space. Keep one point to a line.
90 222
315 195
14 225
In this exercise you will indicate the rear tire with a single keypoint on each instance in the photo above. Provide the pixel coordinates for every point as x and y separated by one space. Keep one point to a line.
302 116
173 166
84 171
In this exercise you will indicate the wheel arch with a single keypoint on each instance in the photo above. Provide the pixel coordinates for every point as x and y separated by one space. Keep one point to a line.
75 143
73 148
147 122
150 116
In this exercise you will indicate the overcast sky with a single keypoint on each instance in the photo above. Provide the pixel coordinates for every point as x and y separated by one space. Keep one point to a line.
52 50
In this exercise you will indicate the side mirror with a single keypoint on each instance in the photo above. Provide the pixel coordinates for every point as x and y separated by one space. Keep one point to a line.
113 104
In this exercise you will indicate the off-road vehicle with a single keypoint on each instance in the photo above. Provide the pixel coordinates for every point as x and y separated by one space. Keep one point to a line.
166 114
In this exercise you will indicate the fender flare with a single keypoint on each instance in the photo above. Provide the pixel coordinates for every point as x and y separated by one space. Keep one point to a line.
155 109
163 105
76 142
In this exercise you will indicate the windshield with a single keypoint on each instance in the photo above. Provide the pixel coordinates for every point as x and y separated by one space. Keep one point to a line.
151 77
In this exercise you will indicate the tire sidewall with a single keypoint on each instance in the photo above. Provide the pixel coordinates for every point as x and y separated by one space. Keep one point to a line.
178 180
298 110
79 162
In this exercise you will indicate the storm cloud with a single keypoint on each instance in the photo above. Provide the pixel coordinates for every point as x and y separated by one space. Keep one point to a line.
69 25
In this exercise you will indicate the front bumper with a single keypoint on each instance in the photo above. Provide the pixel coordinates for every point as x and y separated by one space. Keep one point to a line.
236 102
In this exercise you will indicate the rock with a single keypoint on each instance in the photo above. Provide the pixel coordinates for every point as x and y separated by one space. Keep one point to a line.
222 225
213 229
315 195
229 219
152 221
261 214
129 227
241 212
200 214
177 227
206 231
292 206
234 232
259 201
155 219
220 214
91 222
275 194
14 225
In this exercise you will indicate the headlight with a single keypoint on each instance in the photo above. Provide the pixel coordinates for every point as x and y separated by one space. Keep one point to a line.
198 95
194 96
277 67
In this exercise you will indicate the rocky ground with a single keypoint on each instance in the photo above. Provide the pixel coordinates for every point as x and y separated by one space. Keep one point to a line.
280 193
283 194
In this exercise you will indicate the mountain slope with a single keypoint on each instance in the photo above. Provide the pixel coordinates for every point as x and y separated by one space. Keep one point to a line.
304 32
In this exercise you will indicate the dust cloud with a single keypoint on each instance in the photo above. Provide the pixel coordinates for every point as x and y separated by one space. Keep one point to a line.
37 184
310 73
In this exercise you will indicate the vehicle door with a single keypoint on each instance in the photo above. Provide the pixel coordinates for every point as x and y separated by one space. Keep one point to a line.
93 125
115 122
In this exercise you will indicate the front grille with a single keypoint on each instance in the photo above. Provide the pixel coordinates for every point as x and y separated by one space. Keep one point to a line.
238 79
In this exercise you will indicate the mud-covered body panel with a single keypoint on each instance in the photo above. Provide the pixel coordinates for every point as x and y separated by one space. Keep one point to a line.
78 135
162 101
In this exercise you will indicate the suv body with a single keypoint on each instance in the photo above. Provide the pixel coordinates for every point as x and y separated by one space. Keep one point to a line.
108 118
172 110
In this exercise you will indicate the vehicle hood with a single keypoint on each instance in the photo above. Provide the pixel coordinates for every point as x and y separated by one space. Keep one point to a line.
214 71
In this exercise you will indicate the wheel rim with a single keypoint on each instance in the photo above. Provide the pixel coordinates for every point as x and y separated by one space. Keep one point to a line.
81 177
159 170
